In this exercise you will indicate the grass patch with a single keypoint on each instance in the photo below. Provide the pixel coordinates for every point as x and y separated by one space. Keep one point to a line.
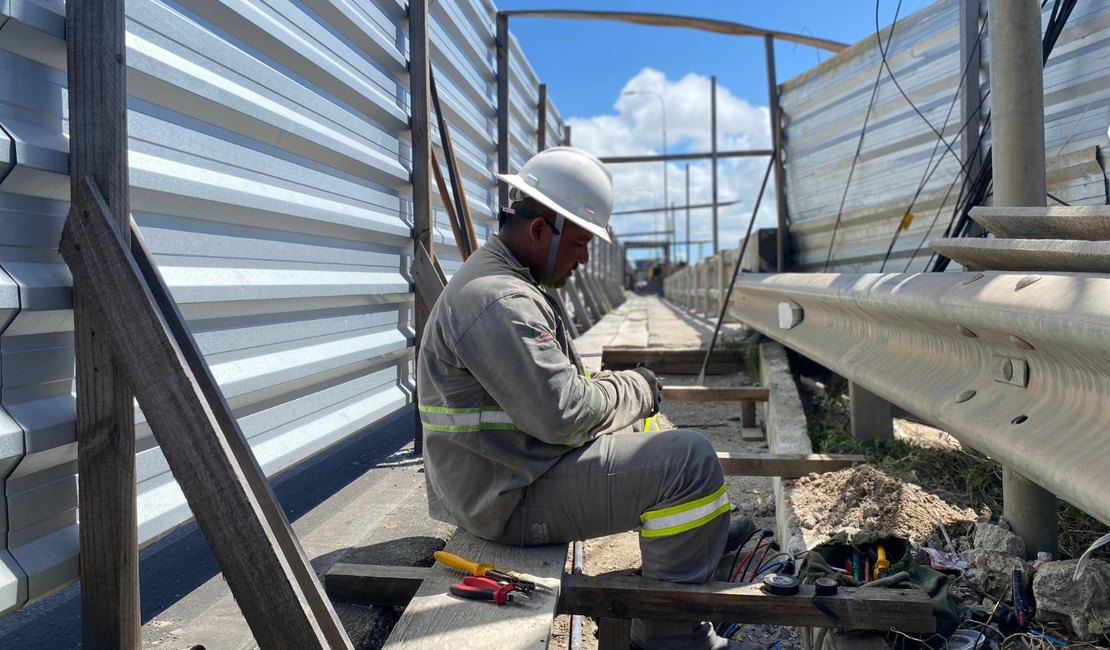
960 476
745 350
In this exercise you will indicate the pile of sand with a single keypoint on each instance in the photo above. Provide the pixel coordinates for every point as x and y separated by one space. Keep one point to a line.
869 498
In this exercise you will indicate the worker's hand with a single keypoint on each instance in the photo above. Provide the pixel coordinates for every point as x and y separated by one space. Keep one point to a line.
656 387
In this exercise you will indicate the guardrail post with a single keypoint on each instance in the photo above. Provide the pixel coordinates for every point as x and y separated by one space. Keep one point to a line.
1017 103
872 416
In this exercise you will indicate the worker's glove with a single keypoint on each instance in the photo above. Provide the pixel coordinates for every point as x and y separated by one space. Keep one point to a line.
656 387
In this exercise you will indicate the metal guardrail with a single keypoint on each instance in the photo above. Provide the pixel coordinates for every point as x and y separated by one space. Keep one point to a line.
1016 365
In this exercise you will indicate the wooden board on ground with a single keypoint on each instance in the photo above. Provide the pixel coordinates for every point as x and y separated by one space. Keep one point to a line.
752 434
785 465
436 619
685 361
374 584
621 596
714 394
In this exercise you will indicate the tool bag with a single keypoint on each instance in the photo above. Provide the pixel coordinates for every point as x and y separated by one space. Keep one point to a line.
842 548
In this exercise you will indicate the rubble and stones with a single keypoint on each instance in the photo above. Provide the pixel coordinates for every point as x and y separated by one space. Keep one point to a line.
1082 606
997 538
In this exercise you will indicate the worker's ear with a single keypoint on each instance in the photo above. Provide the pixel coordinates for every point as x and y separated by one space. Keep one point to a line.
536 227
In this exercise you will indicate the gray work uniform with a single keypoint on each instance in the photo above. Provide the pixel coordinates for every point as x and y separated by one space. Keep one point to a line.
515 443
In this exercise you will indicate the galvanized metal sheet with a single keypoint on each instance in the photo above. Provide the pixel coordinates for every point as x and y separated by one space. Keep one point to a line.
270 174
934 343
1089 222
824 112
1027 254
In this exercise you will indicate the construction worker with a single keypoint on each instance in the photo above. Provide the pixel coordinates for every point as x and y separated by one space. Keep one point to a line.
521 444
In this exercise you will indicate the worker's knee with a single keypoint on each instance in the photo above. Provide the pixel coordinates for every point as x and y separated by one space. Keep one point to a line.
693 451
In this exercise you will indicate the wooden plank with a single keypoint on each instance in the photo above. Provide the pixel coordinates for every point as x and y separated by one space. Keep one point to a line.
621 596
426 276
712 394
436 619
580 311
614 633
461 242
751 434
785 465
461 208
374 584
109 557
501 44
681 361
269 576
420 70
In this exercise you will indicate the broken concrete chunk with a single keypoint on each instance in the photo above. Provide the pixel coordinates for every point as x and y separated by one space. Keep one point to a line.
1082 606
992 571
989 537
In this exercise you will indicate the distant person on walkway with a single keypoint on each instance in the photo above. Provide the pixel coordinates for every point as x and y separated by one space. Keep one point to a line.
522 445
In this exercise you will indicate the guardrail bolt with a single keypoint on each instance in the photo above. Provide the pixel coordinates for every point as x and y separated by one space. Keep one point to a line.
966 332
1026 281
964 396
1021 343
790 314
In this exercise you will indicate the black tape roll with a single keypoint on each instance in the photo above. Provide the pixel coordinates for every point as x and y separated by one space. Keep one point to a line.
825 586
780 585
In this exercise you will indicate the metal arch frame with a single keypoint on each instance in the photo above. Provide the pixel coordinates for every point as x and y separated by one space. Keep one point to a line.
658 20
671 20
1014 365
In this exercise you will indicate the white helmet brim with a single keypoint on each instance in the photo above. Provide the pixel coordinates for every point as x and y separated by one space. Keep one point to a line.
516 181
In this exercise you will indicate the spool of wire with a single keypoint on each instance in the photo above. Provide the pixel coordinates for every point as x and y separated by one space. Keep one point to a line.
825 586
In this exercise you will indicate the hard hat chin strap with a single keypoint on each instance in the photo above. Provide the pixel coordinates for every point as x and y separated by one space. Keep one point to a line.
556 235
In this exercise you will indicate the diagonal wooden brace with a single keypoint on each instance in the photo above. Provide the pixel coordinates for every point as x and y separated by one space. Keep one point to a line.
268 573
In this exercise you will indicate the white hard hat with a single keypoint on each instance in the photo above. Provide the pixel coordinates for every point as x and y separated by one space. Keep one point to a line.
571 182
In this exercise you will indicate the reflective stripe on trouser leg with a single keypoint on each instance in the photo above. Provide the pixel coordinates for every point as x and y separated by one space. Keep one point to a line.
685 516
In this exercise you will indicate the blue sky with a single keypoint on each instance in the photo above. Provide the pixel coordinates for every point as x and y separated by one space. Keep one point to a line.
590 67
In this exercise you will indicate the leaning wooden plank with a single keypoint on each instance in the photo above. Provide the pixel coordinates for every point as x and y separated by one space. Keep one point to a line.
785 465
621 596
237 443
260 560
711 394
426 276
684 361
436 619
374 584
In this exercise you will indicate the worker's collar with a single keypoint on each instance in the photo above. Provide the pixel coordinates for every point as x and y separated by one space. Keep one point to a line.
498 248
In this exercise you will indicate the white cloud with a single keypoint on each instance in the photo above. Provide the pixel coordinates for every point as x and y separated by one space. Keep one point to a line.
636 128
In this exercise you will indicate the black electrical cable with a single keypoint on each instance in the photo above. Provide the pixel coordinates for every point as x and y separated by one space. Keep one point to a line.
930 169
862 132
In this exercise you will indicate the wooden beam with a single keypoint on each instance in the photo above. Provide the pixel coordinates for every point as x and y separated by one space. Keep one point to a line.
427 276
785 465
271 579
502 46
437 619
109 556
621 596
461 208
374 584
685 361
419 97
541 119
461 242
712 394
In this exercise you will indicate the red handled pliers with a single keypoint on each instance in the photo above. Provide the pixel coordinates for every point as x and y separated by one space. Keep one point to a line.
487 589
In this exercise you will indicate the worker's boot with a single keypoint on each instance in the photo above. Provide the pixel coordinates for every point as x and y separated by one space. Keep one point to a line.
740 530
665 635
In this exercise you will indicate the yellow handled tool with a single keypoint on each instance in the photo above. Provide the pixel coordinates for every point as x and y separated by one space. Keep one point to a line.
483 570
881 564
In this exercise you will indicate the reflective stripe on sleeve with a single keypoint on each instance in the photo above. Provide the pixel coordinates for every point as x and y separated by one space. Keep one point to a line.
684 516
441 418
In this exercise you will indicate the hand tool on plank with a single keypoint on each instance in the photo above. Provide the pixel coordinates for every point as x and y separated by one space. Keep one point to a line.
485 571
477 588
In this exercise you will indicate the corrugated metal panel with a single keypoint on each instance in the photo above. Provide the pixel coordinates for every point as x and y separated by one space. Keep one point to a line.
824 111
270 170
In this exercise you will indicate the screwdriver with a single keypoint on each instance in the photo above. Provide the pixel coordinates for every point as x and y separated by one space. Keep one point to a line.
483 570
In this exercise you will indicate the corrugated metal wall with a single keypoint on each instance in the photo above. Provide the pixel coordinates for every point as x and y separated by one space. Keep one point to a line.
824 112
270 169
